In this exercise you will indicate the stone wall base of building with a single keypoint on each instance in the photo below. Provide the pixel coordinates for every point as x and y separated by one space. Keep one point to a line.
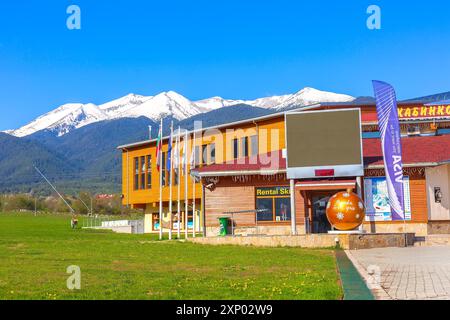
420 229
438 227
345 241
257 231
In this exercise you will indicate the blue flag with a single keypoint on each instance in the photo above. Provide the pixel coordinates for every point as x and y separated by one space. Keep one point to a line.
391 144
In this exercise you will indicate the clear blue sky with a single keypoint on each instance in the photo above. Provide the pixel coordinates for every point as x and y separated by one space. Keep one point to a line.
232 48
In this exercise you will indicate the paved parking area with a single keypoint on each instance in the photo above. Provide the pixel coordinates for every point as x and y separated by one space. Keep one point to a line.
414 273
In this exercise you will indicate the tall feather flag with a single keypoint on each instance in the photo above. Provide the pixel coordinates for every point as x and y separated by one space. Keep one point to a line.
391 143
159 147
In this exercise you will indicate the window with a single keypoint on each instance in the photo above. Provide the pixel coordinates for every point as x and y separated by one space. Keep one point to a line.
254 147
212 153
266 205
235 149
176 177
274 203
142 172
282 209
149 172
136 173
163 169
244 143
197 156
204 154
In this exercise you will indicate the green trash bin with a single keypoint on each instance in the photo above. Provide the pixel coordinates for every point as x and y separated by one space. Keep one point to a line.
223 222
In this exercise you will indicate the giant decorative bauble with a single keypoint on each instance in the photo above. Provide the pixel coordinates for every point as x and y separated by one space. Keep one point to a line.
345 211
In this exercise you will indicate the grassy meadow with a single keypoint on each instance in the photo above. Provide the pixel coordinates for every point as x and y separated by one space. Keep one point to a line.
35 252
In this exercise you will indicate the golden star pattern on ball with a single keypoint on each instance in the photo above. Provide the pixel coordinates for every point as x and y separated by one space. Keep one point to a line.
345 211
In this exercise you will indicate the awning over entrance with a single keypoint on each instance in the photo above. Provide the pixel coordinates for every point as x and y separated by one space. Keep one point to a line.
314 185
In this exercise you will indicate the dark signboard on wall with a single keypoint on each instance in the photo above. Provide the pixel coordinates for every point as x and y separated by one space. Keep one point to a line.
324 144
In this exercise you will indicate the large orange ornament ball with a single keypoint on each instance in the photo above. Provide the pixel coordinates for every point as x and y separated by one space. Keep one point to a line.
345 211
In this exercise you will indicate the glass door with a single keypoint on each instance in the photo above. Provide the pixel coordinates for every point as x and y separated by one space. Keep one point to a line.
320 222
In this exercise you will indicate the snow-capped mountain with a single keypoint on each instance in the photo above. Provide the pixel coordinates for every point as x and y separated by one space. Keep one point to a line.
309 96
162 105
122 105
304 97
63 119
75 115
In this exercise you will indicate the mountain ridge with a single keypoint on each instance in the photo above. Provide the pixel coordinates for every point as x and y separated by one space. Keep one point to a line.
72 116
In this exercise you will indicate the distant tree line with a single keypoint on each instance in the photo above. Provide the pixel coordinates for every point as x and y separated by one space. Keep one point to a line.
82 204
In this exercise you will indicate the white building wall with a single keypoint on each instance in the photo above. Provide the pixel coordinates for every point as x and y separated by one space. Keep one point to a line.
438 177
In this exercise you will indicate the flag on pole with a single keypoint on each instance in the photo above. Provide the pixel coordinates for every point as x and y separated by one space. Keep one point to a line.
183 154
169 152
391 144
176 153
159 147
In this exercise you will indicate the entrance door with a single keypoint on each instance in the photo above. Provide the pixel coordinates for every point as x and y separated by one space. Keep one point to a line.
320 222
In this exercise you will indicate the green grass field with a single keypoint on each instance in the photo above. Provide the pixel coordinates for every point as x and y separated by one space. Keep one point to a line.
35 252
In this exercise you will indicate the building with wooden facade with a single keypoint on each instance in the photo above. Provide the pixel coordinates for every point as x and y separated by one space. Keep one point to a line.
241 174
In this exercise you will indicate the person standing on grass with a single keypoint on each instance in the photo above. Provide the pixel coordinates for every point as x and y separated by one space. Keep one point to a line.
74 222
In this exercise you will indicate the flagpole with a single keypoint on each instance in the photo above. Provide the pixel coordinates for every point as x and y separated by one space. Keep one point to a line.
179 182
193 191
160 186
186 203
170 181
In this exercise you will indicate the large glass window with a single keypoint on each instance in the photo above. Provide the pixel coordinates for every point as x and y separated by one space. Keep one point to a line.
143 173
273 204
149 172
282 209
265 209
163 169
136 173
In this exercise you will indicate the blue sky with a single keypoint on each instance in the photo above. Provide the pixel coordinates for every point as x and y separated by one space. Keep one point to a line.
235 49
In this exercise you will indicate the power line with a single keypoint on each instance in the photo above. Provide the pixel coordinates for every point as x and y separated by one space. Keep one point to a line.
54 189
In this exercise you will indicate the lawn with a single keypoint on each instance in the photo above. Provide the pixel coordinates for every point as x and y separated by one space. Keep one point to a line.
35 252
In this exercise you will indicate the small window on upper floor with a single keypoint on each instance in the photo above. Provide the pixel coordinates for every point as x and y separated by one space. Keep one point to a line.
244 143
204 154
254 147
212 153
235 148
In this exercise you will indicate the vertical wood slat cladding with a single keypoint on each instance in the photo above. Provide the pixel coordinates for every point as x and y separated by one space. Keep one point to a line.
300 206
230 199
419 207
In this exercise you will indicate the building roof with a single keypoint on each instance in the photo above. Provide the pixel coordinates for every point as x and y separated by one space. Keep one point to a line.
417 152
439 103
366 118
224 125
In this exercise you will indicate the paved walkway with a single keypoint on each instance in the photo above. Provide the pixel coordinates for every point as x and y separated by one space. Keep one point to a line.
414 273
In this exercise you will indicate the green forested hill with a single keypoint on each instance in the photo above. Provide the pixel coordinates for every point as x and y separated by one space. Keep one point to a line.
87 158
